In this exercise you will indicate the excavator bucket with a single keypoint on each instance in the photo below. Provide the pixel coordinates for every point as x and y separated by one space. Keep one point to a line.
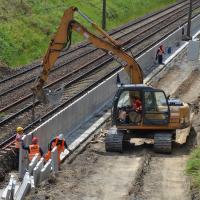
46 96
40 95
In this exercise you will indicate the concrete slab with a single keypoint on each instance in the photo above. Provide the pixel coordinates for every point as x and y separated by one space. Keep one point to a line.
33 164
36 171
5 194
24 188
45 171
8 193
32 184
11 189
54 158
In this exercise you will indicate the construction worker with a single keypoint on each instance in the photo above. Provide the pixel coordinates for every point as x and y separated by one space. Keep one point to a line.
137 104
33 149
61 144
135 111
18 139
159 54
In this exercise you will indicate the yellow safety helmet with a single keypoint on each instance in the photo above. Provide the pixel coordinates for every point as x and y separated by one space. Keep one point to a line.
19 129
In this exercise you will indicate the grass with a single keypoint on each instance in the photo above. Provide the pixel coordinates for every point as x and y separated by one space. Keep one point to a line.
27 25
193 167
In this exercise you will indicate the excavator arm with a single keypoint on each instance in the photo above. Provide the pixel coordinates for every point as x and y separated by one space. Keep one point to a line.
61 40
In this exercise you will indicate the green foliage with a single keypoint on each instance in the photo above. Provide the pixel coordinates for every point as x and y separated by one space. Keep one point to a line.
193 167
27 25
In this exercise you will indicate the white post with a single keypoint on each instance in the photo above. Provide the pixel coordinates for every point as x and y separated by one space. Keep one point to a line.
8 193
23 156
36 171
54 157
45 171
24 187
33 163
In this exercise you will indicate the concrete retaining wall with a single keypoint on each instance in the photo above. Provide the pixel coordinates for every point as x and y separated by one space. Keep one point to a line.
74 115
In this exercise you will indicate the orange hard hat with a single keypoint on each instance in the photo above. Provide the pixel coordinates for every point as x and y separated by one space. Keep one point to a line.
34 140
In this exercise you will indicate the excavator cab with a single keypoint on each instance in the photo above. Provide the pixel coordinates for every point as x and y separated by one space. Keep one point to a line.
141 111
140 105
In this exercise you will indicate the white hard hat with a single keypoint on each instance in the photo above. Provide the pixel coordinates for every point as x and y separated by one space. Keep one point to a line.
61 137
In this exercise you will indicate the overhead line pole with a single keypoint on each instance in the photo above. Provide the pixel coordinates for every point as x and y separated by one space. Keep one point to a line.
104 15
189 20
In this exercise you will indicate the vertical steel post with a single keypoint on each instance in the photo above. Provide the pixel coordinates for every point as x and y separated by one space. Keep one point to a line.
104 15
189 20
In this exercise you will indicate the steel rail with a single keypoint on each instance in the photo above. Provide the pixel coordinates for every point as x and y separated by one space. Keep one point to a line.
86 53
97 67
86 65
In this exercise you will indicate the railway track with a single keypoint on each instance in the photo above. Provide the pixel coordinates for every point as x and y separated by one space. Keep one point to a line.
82 52
83 77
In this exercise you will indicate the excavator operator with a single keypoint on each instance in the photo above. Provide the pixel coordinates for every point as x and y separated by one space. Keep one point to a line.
137 104
135 111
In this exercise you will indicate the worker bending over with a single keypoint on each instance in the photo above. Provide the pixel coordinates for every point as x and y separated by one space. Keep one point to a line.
18 139
33 149
61 144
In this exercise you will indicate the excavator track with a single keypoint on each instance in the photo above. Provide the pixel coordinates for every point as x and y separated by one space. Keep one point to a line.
163 142
114 140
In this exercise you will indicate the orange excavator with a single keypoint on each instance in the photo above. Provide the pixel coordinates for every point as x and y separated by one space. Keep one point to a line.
138 110
62 40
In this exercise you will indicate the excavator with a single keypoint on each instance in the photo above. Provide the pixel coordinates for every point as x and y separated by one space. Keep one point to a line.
158 116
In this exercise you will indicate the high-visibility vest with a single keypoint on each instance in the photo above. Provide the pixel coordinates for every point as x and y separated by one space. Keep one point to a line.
33 150
17 143
61 147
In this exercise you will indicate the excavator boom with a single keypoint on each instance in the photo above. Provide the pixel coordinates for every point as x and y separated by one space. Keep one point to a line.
62 40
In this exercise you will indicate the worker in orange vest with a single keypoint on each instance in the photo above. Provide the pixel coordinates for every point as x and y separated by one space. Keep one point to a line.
33 149
18 139
159 54
61 144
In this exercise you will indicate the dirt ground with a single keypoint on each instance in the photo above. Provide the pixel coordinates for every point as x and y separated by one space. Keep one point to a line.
138 173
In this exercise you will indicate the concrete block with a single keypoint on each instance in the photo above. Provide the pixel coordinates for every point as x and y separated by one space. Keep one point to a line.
45 171
24 188
54 158
11 189
14 188
8 193
32 184
37 170
5 195
33 163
